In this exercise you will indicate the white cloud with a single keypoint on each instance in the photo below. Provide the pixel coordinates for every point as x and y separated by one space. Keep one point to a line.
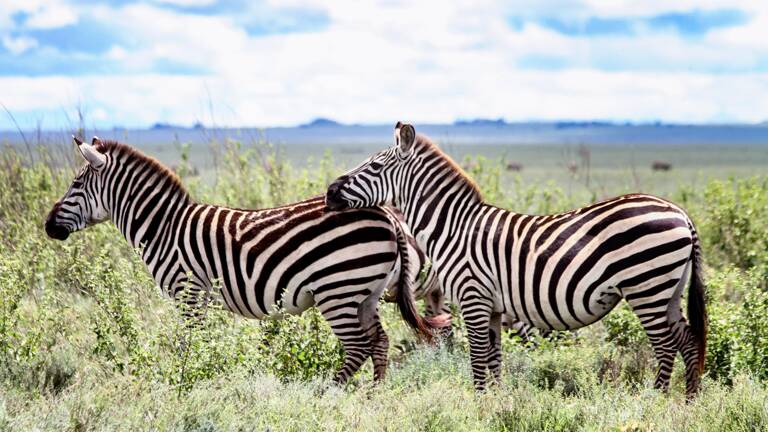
51 14
423 61
187 2
623 8
140 100
18 45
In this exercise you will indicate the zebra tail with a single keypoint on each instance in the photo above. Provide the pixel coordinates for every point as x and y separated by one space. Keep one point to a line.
697 308
426 327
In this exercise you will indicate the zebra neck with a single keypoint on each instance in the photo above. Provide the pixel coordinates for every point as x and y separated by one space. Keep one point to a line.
147 213
438 211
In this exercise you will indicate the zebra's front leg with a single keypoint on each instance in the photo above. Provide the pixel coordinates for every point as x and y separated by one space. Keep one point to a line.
477 319
191 305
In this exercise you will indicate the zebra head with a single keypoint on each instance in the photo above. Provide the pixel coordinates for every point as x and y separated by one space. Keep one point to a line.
82 205
374 182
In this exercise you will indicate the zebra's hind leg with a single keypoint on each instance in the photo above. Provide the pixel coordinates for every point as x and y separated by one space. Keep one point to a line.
355 339
667 339
494 354
664 349
657 303
526 332
380 351
690 351
653 317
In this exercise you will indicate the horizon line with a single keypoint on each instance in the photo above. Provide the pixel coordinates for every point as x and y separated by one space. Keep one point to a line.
324 122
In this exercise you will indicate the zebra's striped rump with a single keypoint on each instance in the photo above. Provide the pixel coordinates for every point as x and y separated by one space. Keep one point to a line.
555 272
258 263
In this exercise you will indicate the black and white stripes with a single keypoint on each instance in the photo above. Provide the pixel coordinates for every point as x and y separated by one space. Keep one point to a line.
263 262
561 271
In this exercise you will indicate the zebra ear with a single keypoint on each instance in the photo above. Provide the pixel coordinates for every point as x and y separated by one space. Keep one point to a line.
405 135
98 145
90 153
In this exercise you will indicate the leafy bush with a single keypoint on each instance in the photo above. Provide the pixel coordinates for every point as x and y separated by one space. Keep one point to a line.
738 334
734 223
623 328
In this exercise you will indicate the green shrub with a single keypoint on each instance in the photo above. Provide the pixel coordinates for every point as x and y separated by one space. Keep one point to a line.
623 328
734 223
738 333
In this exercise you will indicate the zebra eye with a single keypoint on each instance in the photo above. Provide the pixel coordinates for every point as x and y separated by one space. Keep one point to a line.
376 166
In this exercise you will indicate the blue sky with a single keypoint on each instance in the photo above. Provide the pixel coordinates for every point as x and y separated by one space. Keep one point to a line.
243 63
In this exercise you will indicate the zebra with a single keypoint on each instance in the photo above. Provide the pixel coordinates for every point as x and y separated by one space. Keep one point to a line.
430 291
264 263
555 272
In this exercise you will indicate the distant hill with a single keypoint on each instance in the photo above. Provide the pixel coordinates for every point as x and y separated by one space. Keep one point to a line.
480 122
321 122
164 126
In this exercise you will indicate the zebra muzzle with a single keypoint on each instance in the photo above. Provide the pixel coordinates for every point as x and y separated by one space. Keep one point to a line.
54 230
333 199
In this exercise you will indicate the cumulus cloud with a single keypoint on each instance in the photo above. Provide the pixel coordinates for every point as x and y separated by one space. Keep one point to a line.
17 45
286 62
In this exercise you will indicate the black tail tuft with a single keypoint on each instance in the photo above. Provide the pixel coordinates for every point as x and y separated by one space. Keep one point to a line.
697 307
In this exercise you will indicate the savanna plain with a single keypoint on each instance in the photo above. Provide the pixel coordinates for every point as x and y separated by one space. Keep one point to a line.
87 342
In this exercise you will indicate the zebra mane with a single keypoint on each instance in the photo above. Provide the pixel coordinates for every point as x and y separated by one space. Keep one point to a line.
430 147
133 155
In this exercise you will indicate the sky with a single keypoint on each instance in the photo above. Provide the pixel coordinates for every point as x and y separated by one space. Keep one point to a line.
279 63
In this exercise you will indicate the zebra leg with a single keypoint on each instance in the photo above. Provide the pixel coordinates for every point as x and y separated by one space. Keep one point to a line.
355 321
690 351
380 351
477 319
434 306
657 304
191 303
494 355
660 334
357 346
523 330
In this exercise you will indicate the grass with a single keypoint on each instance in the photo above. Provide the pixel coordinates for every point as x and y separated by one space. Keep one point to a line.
88 343
430 390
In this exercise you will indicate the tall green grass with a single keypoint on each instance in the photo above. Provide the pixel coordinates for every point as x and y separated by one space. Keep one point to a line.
88 343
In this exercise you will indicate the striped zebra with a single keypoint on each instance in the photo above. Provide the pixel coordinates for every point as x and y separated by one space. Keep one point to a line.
555 272
263 262
428 289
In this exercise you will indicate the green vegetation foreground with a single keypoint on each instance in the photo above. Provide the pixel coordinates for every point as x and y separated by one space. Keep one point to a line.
88 343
